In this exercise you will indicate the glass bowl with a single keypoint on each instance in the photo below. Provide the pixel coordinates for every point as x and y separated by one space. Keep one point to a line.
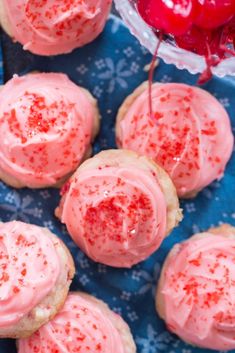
169 52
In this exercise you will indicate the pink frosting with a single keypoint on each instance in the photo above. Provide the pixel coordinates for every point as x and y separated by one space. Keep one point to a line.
55 27
29 269
116 214
199 292
46 122
191 137
81 326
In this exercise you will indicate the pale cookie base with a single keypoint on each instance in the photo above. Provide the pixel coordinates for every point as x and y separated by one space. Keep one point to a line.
4 21
225 230
121 115
117 321
16 183
50 306
127 158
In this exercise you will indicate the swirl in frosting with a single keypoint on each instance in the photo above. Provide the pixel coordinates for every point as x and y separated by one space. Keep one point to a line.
190 138
46 126
29 269
115 210
51 27
83 325
198 291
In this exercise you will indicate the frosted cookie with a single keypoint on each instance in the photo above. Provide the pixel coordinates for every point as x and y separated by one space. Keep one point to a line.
53 27
195 295
118 207
189 134
47 124
84 324
36 270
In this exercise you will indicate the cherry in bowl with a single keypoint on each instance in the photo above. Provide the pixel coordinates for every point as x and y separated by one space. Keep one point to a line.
197 33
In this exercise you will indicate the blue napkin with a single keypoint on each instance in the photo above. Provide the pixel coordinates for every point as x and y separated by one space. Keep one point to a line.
111 67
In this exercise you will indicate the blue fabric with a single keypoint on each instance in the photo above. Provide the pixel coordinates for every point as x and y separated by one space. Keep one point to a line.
111 67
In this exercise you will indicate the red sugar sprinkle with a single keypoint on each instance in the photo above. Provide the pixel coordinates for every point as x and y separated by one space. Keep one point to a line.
221 317
195 262
20 240
191 287
14 125
98 347
16 289
65 188
105 221
23 272
5 277
212 298
75 193
158 115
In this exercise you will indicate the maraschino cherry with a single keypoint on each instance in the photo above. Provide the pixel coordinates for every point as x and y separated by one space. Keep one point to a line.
214 13
177 16
202 41
172 17
206 27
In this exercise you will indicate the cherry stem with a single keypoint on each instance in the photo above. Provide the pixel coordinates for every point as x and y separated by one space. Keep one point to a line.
151 72
207 73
